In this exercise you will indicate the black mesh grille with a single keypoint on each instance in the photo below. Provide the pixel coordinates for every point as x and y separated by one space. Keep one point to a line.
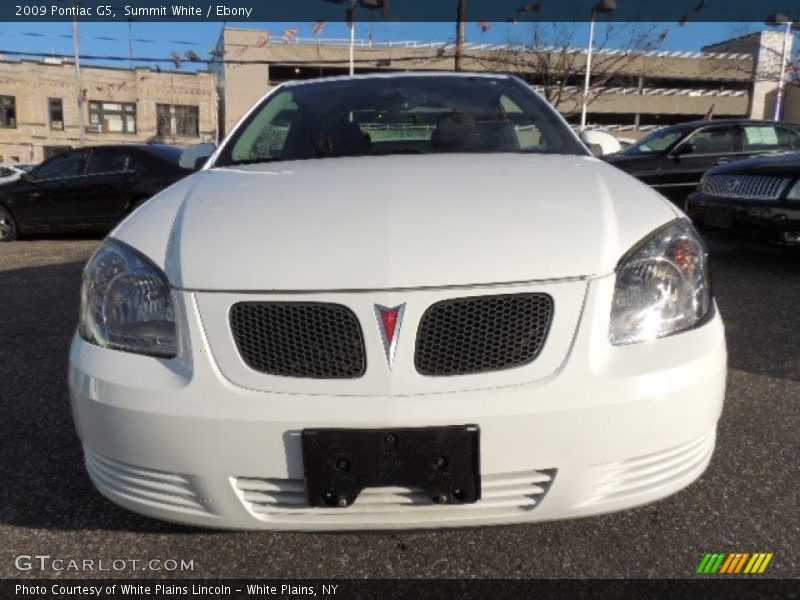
482 333
299 339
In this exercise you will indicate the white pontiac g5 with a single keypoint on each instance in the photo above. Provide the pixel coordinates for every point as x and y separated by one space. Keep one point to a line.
398 301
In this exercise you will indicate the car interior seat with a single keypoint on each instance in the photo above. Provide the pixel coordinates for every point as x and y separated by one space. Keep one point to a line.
460 132
341 138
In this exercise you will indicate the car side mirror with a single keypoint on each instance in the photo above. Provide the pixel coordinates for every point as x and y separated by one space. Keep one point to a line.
687 148
28 178
194 157
600 143
595 149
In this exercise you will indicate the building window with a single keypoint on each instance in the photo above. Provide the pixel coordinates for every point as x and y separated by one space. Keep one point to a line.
176 119
112 117
8 111
55 107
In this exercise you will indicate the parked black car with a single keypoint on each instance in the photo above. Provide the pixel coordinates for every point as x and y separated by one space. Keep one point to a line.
757 199
91 187
673 159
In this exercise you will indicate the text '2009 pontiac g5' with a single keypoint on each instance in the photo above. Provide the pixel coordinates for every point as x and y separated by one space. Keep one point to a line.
398 301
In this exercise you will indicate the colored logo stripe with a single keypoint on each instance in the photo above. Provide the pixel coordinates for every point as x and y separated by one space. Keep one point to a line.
758 563
727 564
703 563
711 562
736 562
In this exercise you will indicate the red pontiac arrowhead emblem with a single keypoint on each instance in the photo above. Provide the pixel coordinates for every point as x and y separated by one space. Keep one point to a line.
389 320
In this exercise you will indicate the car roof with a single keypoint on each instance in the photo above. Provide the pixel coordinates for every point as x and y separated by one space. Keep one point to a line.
732 121
163 151
146 147
401 75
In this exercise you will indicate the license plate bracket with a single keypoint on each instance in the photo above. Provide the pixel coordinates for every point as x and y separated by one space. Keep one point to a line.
442 461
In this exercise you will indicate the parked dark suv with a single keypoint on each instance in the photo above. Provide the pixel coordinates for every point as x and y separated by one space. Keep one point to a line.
673 159
91 187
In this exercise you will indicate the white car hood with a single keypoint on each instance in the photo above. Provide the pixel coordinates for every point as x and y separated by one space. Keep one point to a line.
395 222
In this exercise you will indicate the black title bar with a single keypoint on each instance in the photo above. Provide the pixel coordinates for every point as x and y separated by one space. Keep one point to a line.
678 11
705 587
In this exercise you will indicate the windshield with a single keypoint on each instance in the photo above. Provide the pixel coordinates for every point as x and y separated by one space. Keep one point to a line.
399 115
655 142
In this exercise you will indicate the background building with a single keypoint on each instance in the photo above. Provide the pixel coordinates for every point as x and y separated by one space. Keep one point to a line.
39 107
644 90
632 91
766 47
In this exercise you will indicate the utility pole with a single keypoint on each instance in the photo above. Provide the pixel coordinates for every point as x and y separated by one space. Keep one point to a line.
460 34
76 49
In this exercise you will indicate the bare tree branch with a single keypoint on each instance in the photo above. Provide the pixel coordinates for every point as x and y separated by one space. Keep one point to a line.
552 59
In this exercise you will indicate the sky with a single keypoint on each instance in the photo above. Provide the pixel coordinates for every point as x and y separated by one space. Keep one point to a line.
161 39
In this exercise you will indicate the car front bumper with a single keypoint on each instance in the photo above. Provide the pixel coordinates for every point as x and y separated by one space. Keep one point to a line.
774 222
611 428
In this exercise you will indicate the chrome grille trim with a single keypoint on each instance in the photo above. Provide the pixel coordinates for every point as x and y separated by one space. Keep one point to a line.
745 187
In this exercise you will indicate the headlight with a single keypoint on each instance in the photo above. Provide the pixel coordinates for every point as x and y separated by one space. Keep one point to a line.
794 193
126 304
662 286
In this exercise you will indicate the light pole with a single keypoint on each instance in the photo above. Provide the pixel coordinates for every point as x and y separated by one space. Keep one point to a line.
351 23
602 6
781 19
352 19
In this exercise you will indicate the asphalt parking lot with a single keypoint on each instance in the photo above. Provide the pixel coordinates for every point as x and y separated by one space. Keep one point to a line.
747 501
